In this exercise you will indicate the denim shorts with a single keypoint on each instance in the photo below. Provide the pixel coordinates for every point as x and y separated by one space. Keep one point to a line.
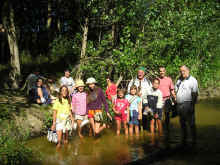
134 118
159 112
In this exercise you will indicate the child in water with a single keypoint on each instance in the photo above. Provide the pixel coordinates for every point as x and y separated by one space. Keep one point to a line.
79 105
135 110
62 116
120 109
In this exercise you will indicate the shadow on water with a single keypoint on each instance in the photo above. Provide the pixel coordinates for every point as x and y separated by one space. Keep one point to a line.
207 149
109 149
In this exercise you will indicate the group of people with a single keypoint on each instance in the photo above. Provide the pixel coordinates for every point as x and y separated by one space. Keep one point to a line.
143 102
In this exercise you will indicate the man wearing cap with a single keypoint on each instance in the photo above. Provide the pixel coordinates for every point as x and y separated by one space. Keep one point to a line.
144 86
186 90
68 81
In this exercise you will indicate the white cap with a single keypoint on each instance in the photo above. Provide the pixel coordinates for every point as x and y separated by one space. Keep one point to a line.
91 80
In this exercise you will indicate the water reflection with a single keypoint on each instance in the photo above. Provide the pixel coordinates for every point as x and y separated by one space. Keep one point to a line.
111 149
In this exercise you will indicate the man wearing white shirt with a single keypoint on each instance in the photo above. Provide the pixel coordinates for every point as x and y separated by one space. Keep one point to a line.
68 81
186 90
144 86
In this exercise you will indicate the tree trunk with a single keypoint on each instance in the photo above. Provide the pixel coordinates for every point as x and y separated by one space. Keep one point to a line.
83 49
49 14
8 20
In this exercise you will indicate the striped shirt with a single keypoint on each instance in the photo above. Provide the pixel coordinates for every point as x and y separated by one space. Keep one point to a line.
144 84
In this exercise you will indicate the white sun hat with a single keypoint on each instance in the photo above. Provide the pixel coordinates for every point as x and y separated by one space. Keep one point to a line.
91 80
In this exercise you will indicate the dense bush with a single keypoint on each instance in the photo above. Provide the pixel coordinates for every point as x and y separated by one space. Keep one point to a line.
12 150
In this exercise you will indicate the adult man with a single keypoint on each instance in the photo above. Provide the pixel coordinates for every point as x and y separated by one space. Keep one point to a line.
167 88
67 80
144 86
186 96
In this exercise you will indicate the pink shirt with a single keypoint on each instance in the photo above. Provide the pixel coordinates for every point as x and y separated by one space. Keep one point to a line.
121 105
79 103
166 85
111 91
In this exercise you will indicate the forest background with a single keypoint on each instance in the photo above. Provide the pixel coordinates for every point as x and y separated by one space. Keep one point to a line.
109 37
99 38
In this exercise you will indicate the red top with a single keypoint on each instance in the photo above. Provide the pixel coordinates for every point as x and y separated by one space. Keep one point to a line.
111 91
166 85
121 105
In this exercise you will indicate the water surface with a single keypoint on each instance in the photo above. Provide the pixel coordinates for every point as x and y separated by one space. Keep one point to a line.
109 149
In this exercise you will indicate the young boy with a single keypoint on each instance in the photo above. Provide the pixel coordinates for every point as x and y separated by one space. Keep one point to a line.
154 104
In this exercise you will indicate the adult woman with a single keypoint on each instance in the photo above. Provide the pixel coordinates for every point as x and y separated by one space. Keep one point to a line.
42 95
95 100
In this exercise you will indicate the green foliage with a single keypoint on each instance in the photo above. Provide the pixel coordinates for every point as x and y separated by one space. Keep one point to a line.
163 32
7 111
12 150
48 117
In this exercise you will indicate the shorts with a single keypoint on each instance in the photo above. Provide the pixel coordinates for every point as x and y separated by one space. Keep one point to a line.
96 114
122 117
134 118
159 112
64 125
81 117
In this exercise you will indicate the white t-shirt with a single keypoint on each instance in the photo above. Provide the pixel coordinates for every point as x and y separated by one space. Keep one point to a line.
67 81
145 87
185 88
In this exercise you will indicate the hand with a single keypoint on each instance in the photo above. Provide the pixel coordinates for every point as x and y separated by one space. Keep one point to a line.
117 113
146 108
139 117
53 127
139 94
109 116
128 118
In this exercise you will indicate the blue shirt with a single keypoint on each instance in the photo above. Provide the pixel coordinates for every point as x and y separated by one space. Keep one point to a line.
134 104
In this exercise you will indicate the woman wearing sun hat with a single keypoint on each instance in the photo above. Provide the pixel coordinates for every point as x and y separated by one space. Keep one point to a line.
95 100
79 105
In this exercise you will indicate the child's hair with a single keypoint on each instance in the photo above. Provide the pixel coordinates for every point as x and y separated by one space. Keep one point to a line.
121 90
133 87
67 96
156 79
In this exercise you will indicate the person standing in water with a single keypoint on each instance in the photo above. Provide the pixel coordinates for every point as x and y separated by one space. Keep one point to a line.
121 108
62 117
135 110
154 104
79 105
95 100
167 88
186 90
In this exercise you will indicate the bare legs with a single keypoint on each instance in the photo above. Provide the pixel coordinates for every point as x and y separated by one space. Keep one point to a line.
96 126
59 136
118 123
135 127
79 128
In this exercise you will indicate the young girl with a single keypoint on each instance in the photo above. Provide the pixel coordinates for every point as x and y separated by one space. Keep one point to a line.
62 115
111 90
135 110
121 107
95 100
79 105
